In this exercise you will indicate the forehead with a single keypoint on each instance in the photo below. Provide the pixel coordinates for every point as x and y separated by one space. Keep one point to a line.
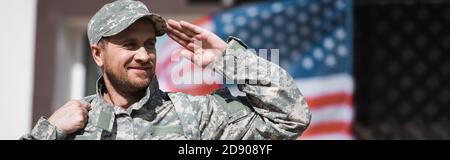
142 28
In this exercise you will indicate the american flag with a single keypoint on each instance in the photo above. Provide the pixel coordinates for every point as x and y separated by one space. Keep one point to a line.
314 38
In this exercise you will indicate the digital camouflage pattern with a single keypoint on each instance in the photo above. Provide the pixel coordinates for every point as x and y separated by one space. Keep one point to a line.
115 17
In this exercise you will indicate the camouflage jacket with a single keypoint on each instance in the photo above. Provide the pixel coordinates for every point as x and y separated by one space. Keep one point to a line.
273 108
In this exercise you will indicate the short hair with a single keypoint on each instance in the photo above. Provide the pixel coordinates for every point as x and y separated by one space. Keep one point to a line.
103 42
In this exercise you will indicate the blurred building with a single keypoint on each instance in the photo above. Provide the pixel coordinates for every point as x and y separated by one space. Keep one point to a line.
402 69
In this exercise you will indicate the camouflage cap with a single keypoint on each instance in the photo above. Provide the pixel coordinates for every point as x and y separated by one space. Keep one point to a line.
115 17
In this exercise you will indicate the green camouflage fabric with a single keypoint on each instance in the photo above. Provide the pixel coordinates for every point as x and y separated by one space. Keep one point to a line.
273 108
115 17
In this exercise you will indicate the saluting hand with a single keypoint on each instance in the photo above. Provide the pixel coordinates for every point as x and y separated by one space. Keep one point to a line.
199 45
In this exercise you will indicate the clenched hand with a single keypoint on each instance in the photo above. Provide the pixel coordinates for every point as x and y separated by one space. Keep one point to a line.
71 117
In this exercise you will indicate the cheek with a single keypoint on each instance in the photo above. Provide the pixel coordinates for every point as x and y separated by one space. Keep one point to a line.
118 61
153 58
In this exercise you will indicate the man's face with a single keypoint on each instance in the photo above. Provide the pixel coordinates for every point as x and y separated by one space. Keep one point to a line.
130 57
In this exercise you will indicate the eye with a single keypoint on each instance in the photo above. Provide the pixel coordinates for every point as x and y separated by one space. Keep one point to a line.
130 46
150 46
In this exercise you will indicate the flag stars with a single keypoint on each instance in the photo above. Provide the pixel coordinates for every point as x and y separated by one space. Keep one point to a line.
290 11
302 2
316 22
308 63
295 56
229 29
243 34
328 12
314 8
318 54
293 40
279 21
277 7
302 17
317 36
269 45
283 49
256 41
340 4
306 45
328 43
279 37
340 34
267 31
254 25
304 30
330 61
241 21
265 15
304 36
342 50
227 18
252 12
291 27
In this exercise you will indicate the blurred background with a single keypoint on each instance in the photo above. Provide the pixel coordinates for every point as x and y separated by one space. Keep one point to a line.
370 69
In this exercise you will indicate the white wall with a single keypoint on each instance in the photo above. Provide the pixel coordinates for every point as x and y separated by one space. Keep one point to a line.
17 39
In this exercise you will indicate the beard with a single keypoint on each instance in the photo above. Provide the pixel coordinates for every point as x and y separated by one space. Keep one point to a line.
123 84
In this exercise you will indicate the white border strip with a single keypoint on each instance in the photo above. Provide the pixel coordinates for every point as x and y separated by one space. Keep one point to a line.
326 114
313 87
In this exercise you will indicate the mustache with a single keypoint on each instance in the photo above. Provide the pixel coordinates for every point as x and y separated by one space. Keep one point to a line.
149 64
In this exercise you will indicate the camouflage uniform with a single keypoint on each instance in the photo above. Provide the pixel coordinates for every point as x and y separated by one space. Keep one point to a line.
273 108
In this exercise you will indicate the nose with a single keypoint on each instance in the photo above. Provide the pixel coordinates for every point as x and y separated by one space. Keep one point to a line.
142 56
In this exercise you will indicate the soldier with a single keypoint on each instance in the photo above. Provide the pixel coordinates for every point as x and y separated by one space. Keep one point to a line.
129 105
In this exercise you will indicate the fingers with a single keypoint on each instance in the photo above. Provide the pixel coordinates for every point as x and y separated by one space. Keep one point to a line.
84 109
71 117
175 29
83 116
178 40
85 105
184 33
174 24
187 29
190 29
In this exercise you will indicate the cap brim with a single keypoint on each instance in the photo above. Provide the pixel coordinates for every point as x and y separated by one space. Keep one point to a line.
158 23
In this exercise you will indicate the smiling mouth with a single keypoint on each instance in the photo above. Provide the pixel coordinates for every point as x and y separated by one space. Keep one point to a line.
139 69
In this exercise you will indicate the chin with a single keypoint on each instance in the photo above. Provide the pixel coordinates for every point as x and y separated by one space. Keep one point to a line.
140 83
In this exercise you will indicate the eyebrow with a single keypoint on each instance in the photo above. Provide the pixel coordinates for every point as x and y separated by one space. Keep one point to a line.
151 39
134 40
127 40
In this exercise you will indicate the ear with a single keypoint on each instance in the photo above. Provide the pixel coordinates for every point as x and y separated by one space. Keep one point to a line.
98 53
